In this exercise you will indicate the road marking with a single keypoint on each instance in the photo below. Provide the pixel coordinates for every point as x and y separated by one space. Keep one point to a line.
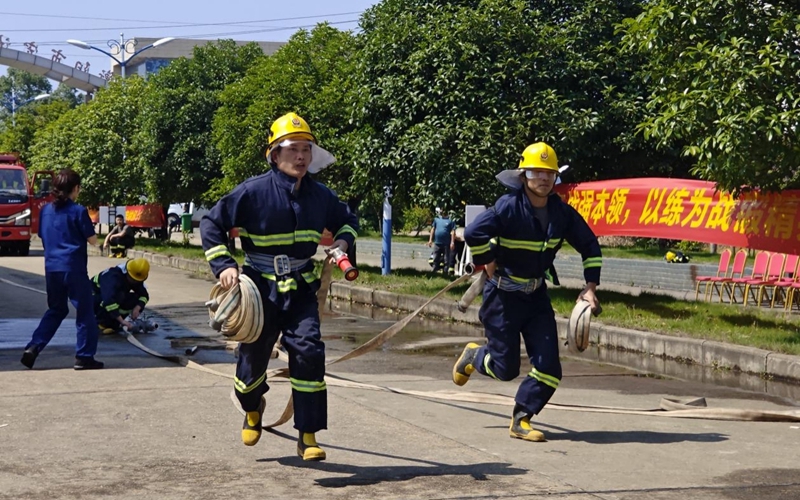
22 286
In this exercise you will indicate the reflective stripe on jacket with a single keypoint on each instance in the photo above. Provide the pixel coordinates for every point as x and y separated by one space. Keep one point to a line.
509 234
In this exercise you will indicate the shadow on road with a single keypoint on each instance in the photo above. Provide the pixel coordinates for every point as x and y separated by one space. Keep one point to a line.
360 475
623 437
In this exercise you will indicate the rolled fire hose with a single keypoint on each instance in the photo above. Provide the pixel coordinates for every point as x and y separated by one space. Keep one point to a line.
578 327
238 313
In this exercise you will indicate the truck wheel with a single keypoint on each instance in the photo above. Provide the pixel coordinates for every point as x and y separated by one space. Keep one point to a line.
24 249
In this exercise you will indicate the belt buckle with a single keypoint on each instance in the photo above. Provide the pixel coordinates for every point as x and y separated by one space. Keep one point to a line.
532 286
282 265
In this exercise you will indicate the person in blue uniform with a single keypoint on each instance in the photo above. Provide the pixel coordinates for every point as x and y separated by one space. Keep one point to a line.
120 291
65 229
515 242
281 216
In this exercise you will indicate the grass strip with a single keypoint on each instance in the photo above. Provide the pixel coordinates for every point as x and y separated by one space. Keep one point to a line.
649 312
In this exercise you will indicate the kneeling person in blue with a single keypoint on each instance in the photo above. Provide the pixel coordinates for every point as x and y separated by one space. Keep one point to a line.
516 242
119 291
281 216
65 229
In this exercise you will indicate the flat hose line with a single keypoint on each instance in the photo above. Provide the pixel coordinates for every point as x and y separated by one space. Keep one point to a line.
693 408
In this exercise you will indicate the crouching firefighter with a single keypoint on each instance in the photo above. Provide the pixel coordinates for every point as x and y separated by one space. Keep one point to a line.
516 241
119 291
281 216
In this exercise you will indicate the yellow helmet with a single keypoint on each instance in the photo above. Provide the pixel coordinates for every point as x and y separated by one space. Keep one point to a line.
539 155
138 269
289 126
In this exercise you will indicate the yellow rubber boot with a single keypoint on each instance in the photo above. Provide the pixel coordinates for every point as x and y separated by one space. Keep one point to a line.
251 429
464 366
521 427
308 449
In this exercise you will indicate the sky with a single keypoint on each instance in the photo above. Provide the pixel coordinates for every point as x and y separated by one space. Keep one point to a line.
50 23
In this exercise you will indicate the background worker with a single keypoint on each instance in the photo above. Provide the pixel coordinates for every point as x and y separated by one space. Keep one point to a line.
529 226
120 238
120 291
443 239
65 229
281 216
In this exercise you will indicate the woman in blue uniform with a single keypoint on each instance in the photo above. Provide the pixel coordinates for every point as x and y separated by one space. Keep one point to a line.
281 216
65 229
516 241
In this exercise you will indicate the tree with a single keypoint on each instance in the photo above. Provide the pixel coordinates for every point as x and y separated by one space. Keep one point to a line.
726 75
178 158
34 117
451 93
20 86
310 75
96 141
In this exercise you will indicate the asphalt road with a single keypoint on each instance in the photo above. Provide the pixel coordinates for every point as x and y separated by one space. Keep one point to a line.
148 428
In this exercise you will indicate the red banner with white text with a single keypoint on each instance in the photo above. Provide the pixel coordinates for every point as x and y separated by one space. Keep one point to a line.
683 209
144 216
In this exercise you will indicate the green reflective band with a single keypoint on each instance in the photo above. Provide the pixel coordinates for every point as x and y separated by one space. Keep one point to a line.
96 279
533 246
283 286
486 366
217 251
553 243
593 262
244 388
548 276
522 281
308 385
112 307
309 277
124 312
479 249
143 300
544 378
346 229
309 235
268 240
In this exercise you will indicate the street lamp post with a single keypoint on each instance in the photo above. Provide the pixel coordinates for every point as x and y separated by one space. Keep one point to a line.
14 104
121 47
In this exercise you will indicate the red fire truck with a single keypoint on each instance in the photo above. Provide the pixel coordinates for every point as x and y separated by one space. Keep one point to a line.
19 204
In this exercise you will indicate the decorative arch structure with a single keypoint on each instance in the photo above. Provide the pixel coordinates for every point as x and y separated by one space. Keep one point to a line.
53 70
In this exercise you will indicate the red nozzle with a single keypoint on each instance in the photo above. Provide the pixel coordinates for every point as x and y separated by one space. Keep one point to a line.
350 272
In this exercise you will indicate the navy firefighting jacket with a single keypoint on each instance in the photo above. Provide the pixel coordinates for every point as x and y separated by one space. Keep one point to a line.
273 220
113 286
510 234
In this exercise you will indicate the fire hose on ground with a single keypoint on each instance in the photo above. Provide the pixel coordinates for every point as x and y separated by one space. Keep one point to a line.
694 408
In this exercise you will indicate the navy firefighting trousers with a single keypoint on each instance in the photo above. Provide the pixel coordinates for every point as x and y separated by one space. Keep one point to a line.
297 317
504 316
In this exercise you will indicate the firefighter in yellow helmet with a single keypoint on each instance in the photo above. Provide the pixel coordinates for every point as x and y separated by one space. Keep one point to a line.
120 292
516 242
281 216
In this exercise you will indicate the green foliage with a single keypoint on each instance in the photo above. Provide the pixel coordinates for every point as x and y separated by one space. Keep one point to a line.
726 76
310 76
96 141
451 93
23 86
178 159
415 218
29 120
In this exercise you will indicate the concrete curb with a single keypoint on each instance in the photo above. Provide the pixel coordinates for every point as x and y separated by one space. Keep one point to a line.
707 353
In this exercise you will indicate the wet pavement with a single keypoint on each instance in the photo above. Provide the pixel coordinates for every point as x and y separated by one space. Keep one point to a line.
147 428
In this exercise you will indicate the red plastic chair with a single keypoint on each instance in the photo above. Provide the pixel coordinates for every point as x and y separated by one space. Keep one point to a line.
722 272
759 269
781 288
771 276
737 272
